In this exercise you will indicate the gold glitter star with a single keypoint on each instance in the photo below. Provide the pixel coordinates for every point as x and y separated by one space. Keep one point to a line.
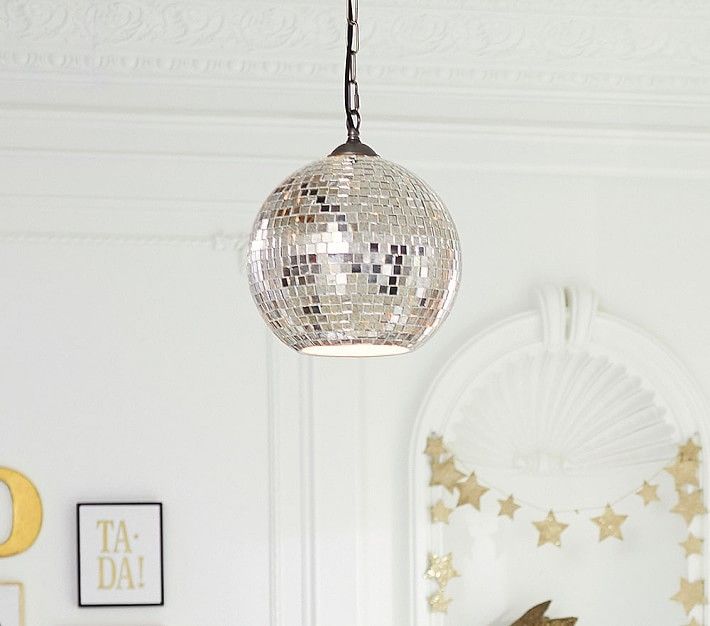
684 473
440 512
550 530
690 594
441 569
445 474
694 622
689 451
508 507
438 602
609 524
435 446
692 545
470 492
649 493
689 505
535 616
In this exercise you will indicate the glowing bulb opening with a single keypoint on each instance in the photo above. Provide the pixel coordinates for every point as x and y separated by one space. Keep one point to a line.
355 350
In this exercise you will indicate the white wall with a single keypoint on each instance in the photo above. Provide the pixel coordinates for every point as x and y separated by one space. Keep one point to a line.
571 143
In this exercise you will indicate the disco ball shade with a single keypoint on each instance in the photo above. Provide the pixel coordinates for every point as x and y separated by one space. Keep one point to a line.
353 255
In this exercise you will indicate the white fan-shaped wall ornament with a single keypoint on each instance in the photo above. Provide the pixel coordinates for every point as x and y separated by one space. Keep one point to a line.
559 411
564 406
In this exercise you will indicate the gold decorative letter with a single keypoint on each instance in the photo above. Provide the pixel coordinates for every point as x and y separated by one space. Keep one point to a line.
26 512
105 583
122 538
125 574
105 525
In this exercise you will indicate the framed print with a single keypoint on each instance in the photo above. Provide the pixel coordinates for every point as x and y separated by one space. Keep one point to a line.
120 554
12 604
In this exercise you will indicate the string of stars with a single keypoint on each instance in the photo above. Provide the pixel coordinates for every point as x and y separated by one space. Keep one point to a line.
684 471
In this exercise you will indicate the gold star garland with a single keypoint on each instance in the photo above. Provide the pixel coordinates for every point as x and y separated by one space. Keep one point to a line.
471 492
550 530
692 545
440 512
684 470
435 447
609 524
440 570
690 594
508 507
445 474
649 493
439 602
691 503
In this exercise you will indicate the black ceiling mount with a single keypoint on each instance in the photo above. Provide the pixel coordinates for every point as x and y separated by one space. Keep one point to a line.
354 147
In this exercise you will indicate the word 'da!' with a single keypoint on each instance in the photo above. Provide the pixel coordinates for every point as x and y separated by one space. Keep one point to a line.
120 554
118 567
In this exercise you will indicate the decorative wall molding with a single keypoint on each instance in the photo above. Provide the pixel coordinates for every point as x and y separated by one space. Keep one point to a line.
666 404
246 157
564 413
562 408
217 242
292 594
627 47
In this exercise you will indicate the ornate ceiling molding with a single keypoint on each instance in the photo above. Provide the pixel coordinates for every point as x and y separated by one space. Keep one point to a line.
631 46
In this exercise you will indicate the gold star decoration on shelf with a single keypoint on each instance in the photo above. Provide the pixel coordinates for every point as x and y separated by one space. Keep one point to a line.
689 505
440 512
692 545
550 530
689 451
508 507
470 492
438 602
445 474
609 524
441 569
690 594
435 446
649 493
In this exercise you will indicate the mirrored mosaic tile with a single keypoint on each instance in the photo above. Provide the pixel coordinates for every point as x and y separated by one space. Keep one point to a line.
354 250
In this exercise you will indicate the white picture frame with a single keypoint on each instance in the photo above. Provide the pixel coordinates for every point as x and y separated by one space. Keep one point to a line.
12 603
120 554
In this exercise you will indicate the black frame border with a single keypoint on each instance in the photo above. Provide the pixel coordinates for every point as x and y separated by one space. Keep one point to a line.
78 553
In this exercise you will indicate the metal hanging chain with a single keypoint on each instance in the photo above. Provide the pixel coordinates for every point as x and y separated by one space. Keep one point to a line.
352 95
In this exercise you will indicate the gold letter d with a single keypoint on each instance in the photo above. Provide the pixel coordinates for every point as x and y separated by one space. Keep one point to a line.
26 512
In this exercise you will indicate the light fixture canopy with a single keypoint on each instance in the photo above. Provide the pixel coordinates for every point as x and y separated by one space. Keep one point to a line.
353 255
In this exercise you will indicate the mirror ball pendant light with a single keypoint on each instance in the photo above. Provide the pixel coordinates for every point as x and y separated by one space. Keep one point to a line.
353 255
